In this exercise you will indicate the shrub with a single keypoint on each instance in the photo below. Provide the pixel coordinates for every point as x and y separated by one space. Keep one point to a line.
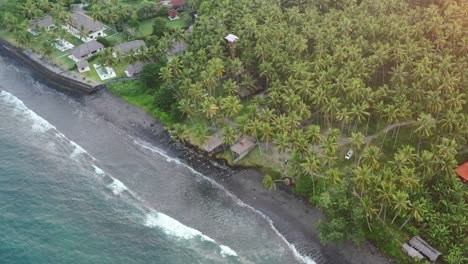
104 42
304 186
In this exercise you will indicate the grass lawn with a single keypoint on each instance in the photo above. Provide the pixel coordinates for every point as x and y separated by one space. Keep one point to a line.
116 39
146 26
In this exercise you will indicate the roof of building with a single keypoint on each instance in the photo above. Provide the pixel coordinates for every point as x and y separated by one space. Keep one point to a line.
82 64
423 247
245 144
176 3
213 142
81 20
86 49
172 13
412 252
462 170
231 38
131 45
44 22
136 68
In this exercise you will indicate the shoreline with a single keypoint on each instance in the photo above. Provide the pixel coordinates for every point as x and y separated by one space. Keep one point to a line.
293 217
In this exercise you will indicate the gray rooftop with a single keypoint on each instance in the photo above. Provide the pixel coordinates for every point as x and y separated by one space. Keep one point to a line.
244 145
423 247
80 20
82 64
131 45
86 49
45 22
213 142
136 68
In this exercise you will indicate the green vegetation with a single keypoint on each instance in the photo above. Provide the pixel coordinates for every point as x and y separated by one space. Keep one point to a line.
383 78
122 24
386 79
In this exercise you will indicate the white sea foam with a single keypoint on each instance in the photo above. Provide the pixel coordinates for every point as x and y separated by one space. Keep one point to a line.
174 228
117 187
78 150
98 171
297 255
39 124
227 251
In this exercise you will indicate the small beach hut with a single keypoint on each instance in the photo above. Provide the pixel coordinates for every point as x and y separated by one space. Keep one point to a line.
422 246
214 143
243 147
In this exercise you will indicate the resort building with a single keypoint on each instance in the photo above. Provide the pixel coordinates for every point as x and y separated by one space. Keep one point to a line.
133 70
83 66
127 47
86 50
47 23
84 27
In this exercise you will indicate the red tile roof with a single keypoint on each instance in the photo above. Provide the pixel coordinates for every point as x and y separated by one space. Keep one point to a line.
172 13
463 170
176 3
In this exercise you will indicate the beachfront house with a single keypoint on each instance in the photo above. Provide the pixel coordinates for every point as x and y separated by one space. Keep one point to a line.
133 70
127 47
243 147
84 27
46 23
83 66
86 50
214 144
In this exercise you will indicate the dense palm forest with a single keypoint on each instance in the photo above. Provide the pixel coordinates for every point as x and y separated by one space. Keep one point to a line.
385 78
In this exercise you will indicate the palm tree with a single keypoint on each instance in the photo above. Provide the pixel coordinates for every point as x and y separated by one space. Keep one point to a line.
187 107
281 141
230 106
425 125
400 203
29 9
312 166
371 157
357 141
209 108
313 135
229 135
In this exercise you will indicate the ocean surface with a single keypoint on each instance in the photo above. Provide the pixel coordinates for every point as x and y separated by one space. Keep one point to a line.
74 188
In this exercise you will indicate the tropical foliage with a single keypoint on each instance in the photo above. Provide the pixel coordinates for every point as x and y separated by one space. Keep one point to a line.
384 78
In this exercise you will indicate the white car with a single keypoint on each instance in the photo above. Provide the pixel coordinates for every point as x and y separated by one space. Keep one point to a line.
349 154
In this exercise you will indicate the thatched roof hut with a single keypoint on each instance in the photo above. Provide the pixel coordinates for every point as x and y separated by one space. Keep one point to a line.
422 246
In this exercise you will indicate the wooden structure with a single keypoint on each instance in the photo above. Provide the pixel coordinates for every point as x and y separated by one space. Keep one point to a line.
243 147
413 253
214 144
462 171
423 247
233 40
